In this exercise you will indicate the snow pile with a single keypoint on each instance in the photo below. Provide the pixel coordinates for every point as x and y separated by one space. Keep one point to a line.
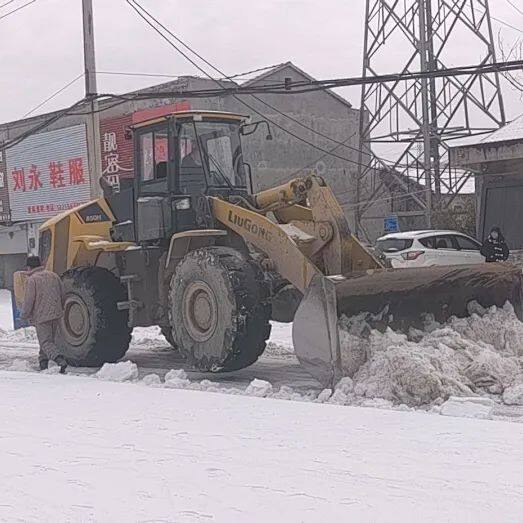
259 388
177 379
119 372
477 408
497 327
21 335
152 380
513 395
148 336
482 354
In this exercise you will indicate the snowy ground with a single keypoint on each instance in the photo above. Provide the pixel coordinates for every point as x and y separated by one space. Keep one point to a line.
176 446
80 449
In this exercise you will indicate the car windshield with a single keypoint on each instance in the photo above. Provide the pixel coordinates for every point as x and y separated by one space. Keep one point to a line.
389 245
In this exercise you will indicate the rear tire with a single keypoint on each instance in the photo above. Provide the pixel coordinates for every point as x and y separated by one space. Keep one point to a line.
218 310
93 330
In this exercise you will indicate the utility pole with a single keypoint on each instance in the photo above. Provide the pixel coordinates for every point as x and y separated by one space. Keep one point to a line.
93 125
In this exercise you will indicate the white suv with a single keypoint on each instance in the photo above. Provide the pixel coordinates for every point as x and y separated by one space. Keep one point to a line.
426 248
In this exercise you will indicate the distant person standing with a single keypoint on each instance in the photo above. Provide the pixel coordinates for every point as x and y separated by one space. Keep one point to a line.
43 307
495 248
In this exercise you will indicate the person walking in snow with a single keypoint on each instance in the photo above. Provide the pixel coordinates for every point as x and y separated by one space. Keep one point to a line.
495 248
43 308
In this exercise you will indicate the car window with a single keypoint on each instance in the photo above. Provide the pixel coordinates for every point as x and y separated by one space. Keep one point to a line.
467 243
429 242
445 242
390 245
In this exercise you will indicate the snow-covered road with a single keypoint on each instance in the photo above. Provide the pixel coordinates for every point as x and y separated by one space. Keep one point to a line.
79 449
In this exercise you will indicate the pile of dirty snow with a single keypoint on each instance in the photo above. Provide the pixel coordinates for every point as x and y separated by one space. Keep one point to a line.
27 335
478 355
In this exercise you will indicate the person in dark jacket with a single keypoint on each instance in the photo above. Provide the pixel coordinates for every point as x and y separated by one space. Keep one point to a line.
495 248
43 308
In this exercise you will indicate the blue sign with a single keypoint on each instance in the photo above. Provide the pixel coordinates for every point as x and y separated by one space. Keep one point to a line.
391 224
17 321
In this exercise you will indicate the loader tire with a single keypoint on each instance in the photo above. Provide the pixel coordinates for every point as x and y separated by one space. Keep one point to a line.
218 310
93 330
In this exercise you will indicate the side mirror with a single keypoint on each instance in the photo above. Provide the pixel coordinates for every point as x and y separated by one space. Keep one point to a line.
251 128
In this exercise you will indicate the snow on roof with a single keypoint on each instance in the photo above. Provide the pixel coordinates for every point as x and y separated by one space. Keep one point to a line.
511 131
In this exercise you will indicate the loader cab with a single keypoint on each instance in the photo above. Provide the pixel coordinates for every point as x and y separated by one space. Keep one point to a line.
179 160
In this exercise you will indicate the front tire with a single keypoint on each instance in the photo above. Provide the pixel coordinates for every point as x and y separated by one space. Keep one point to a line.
218 311
93 330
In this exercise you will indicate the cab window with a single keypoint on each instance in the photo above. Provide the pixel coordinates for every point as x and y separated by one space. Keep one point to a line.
153 155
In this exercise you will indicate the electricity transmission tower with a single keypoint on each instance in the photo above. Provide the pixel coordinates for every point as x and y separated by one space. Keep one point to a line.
406 127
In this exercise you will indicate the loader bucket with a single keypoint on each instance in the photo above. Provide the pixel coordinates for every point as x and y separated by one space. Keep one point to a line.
398 298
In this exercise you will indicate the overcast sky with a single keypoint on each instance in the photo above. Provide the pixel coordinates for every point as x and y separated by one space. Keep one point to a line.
41 45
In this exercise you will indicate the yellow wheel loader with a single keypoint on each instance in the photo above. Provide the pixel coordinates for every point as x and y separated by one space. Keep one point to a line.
191 248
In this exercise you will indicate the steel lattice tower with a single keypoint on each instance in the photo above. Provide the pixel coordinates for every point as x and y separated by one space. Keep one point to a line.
419 119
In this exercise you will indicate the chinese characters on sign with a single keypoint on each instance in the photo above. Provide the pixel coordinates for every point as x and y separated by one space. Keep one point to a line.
48 173
55 178
113 167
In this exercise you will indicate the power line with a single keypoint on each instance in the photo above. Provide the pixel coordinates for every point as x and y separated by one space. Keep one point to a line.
124 73
7 3
288 86
282 88
46 123
519 10
502 22
55 94
136 6
276 88
17 9
308 86
252 71
325 152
